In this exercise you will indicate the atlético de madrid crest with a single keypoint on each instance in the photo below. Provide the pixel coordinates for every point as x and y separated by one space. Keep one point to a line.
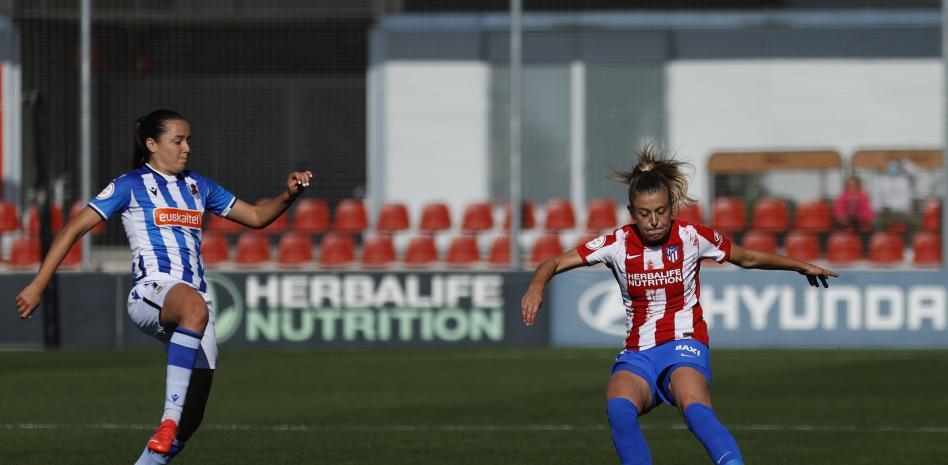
672 253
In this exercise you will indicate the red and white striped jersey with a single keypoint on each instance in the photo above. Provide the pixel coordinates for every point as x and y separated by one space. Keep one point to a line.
659 284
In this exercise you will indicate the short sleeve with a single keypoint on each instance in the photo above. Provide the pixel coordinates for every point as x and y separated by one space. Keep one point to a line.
712 244
219 200
600 249
114 198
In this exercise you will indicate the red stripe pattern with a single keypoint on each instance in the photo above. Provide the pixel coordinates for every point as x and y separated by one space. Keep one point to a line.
659 284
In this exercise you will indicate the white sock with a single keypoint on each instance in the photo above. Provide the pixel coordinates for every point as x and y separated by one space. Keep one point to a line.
182 352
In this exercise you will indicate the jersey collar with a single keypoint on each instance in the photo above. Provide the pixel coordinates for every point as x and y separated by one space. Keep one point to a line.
168 177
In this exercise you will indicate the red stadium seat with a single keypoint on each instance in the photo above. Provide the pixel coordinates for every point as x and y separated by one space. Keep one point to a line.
885 248
931 215
378 252
729 214
690 213
843 247
463 251
55 216
478 217
760 240
295 249
350 216
927 248
9 217
222 225
435 217
214 249
771 214
393 217
253 249
499 251
310 216
601 214
559 215
336 250
278 226
815 216
802 245
421 252
546 246
25 252
77 207
527 216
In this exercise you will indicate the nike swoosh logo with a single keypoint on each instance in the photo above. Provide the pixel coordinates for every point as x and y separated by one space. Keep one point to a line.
630 257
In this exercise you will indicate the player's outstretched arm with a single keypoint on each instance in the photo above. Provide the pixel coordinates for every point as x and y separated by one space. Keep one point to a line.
28 299
750 258
264 212
533 298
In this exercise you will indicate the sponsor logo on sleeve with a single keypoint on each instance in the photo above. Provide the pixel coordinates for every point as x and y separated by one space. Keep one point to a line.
107 192
718 240
596 243
177 217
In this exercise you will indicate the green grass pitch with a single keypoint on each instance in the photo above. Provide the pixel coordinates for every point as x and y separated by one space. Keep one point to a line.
470 406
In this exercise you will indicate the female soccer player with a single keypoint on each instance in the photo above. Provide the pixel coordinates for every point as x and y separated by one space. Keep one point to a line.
162 205
655 261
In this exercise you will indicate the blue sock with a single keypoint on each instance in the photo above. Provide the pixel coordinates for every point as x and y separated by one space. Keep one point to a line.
182 352
716 439
626 434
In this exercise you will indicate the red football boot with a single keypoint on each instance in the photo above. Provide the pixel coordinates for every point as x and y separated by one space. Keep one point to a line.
164 436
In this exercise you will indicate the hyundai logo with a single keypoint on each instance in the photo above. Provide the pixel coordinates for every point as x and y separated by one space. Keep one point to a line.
602 309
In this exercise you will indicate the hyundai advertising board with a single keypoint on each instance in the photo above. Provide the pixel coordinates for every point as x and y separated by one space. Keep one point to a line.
755 308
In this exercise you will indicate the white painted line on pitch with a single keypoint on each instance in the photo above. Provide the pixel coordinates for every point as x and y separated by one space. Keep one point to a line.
481 428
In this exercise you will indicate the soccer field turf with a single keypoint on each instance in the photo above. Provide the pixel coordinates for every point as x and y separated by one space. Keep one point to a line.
470 406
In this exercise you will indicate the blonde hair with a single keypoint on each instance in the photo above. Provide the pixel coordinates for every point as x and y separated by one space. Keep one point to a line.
654 170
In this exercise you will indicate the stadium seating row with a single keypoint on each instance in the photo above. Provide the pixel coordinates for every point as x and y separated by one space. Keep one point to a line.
312 216
337 249
11 221
773 214
378 251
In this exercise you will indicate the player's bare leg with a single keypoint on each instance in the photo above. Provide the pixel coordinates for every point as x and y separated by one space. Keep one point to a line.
627 396
692 394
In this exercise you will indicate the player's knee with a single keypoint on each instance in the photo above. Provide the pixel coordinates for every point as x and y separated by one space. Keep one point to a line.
194 314
620 408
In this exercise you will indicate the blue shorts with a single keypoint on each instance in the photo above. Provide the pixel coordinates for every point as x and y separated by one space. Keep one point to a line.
655 365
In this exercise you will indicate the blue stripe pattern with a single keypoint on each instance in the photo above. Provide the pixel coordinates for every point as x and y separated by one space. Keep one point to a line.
178 232
195 233
154 232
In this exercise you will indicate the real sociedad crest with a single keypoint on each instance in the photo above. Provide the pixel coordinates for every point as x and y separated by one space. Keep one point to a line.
671 253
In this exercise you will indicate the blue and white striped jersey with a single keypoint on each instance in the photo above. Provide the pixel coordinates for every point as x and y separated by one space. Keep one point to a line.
162 215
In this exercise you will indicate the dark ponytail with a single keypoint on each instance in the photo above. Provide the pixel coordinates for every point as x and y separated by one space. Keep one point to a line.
150 126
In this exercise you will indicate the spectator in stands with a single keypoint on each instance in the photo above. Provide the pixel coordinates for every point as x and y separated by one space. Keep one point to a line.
892 194
853 209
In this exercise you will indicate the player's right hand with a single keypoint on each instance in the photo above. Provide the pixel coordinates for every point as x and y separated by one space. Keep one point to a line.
530 304
27 300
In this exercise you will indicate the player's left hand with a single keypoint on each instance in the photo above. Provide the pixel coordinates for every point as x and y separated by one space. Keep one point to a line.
298 181
816 275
